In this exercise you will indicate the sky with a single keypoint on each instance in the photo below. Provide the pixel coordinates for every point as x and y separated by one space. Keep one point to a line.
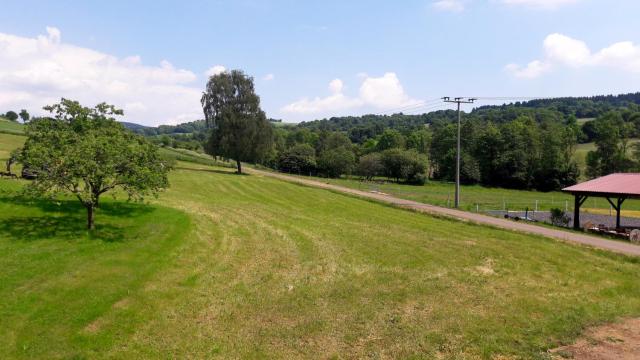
313 59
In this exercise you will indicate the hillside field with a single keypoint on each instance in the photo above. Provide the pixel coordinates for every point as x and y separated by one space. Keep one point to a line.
10 127
476 197
223 265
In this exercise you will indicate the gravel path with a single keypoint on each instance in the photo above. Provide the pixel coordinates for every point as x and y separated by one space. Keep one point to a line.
595 219
597 242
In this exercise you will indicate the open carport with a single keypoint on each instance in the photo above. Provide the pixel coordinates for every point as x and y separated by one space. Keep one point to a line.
616 188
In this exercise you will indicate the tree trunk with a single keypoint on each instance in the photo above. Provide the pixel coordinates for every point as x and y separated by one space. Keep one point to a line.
90 217
239 165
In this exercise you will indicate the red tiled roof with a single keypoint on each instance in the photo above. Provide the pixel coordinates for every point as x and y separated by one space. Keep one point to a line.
622 183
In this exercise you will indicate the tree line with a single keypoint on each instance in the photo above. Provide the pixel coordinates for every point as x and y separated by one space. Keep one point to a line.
515 146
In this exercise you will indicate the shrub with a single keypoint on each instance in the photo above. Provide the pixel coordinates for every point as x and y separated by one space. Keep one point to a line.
559 217
370 166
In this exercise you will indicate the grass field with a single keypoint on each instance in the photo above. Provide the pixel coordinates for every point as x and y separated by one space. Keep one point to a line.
10 127
583 149
224 266
476 197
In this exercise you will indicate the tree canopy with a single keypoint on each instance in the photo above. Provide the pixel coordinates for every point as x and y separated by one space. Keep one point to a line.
239 128
85 152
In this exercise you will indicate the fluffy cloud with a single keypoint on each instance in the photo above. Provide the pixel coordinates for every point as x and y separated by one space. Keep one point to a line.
377 93
269 77
540 4
38 71
449 5
215 70
531 71
561 50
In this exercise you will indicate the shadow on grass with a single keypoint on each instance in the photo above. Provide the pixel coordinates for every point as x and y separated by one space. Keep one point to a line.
67 220
215 171
57 227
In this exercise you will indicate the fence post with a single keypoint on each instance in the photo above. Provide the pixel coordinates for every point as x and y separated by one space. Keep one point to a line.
536 210
477 208
566 205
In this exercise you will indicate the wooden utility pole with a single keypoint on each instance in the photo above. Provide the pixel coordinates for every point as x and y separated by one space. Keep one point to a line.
458 101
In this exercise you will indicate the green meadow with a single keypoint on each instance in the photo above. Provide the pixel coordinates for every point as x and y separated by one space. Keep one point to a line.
229 266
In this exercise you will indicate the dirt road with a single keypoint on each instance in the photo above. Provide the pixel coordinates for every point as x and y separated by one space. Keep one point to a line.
611 245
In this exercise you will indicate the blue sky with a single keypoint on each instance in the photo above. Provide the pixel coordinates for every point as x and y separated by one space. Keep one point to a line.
313 59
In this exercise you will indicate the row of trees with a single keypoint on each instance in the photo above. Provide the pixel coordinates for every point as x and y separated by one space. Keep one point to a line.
14 116
516 146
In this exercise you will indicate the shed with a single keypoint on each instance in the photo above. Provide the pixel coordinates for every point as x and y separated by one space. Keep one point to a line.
616 188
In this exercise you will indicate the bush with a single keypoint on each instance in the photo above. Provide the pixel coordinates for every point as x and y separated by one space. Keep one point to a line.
404 165
559 218
370 166
336 162
298 159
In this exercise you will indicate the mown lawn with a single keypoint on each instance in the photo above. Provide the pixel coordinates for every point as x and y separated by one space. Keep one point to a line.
225 266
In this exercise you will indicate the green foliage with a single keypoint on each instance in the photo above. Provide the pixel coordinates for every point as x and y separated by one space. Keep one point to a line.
336 162
240 129
611 135
370 166
406 165
300 159
11 115
390 139
559 217
24 115
85 152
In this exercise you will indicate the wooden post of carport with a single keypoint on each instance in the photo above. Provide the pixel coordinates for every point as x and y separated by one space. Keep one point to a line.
618 208
579 200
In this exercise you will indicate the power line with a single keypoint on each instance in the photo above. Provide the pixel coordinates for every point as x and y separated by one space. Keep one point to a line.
429 109
409 106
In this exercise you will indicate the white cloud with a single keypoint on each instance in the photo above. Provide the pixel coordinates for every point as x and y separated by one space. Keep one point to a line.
379 93
540 4
38 71
448 5
215 70
384 92
561 50
531 71
269 77
336 86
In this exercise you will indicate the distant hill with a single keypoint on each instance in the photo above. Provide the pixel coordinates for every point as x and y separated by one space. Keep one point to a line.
133 126
580 107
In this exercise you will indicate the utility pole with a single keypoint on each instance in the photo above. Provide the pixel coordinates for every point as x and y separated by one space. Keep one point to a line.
458 101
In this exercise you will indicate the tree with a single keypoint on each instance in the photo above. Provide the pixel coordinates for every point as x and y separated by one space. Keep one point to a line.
240 129
299 159
390 139
336 162
11 115
407 165
24 115
13 157
85 152
370 165
611 138
419 140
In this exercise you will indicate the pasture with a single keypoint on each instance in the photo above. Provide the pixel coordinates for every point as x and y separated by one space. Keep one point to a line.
223 265
480 198
10 127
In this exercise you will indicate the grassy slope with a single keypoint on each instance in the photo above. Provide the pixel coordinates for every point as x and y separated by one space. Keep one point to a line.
10 127
268 268
583 149
442 194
